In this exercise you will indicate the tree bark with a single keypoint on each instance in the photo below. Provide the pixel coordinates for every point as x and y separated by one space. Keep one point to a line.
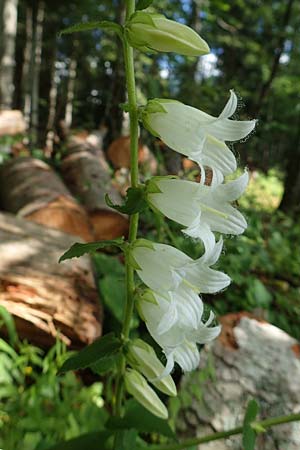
7 63
47 299
251 359
71 90
37 52
50 133
31 189
28 65
88 177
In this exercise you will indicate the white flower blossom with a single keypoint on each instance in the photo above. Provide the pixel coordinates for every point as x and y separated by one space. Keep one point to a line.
164 268
175 323
196 134
202 209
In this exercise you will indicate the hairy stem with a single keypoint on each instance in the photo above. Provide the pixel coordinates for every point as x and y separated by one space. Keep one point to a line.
268 423
133 227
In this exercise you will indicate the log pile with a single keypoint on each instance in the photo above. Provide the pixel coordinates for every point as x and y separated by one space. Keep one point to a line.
88 177
251 359
46 298
118 154
31 189
11 123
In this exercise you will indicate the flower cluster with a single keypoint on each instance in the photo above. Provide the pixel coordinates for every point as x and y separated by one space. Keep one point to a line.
171 307
171 303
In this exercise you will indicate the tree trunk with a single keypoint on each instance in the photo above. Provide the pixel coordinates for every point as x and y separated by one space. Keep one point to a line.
7 63
37 52
31 189
27 66
251 359
290 202
71 91
52 109
47 299
88 177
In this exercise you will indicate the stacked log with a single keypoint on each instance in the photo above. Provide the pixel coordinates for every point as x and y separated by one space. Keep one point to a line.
11 123
46 299
118 154
88 176
251 359
31 189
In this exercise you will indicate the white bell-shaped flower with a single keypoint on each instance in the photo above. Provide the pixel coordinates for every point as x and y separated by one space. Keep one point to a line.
164 268
196 134
175 323
202 209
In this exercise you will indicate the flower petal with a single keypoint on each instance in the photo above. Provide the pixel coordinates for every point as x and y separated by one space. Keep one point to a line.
200 230
230 130
230 106
233 189
205 334
187 356
217 155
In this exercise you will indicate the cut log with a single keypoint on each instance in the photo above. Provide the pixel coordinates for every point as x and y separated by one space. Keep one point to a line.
46 298
251 359
118 154
31 189
88 177
11 123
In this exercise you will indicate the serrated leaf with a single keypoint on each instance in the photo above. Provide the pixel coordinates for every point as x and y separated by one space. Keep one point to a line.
249 435
78 249
90 441
89 26
135 201
143 4
136 416
100 351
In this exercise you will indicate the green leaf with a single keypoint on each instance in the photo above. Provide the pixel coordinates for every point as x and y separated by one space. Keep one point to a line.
126 439
100 351
143 4
105 365
90 441
88 26
136 416
249 435
135 201
9 323
79 249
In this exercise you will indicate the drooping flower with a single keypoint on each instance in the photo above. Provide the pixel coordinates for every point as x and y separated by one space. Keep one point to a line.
202 209
164 268
142 357
168 323
150 32
138 387
196 134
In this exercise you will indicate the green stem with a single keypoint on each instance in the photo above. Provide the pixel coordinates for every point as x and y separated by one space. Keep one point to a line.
268 423
133 227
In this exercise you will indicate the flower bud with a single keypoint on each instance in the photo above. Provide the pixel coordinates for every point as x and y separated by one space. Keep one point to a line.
142 357
153 32
138 387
